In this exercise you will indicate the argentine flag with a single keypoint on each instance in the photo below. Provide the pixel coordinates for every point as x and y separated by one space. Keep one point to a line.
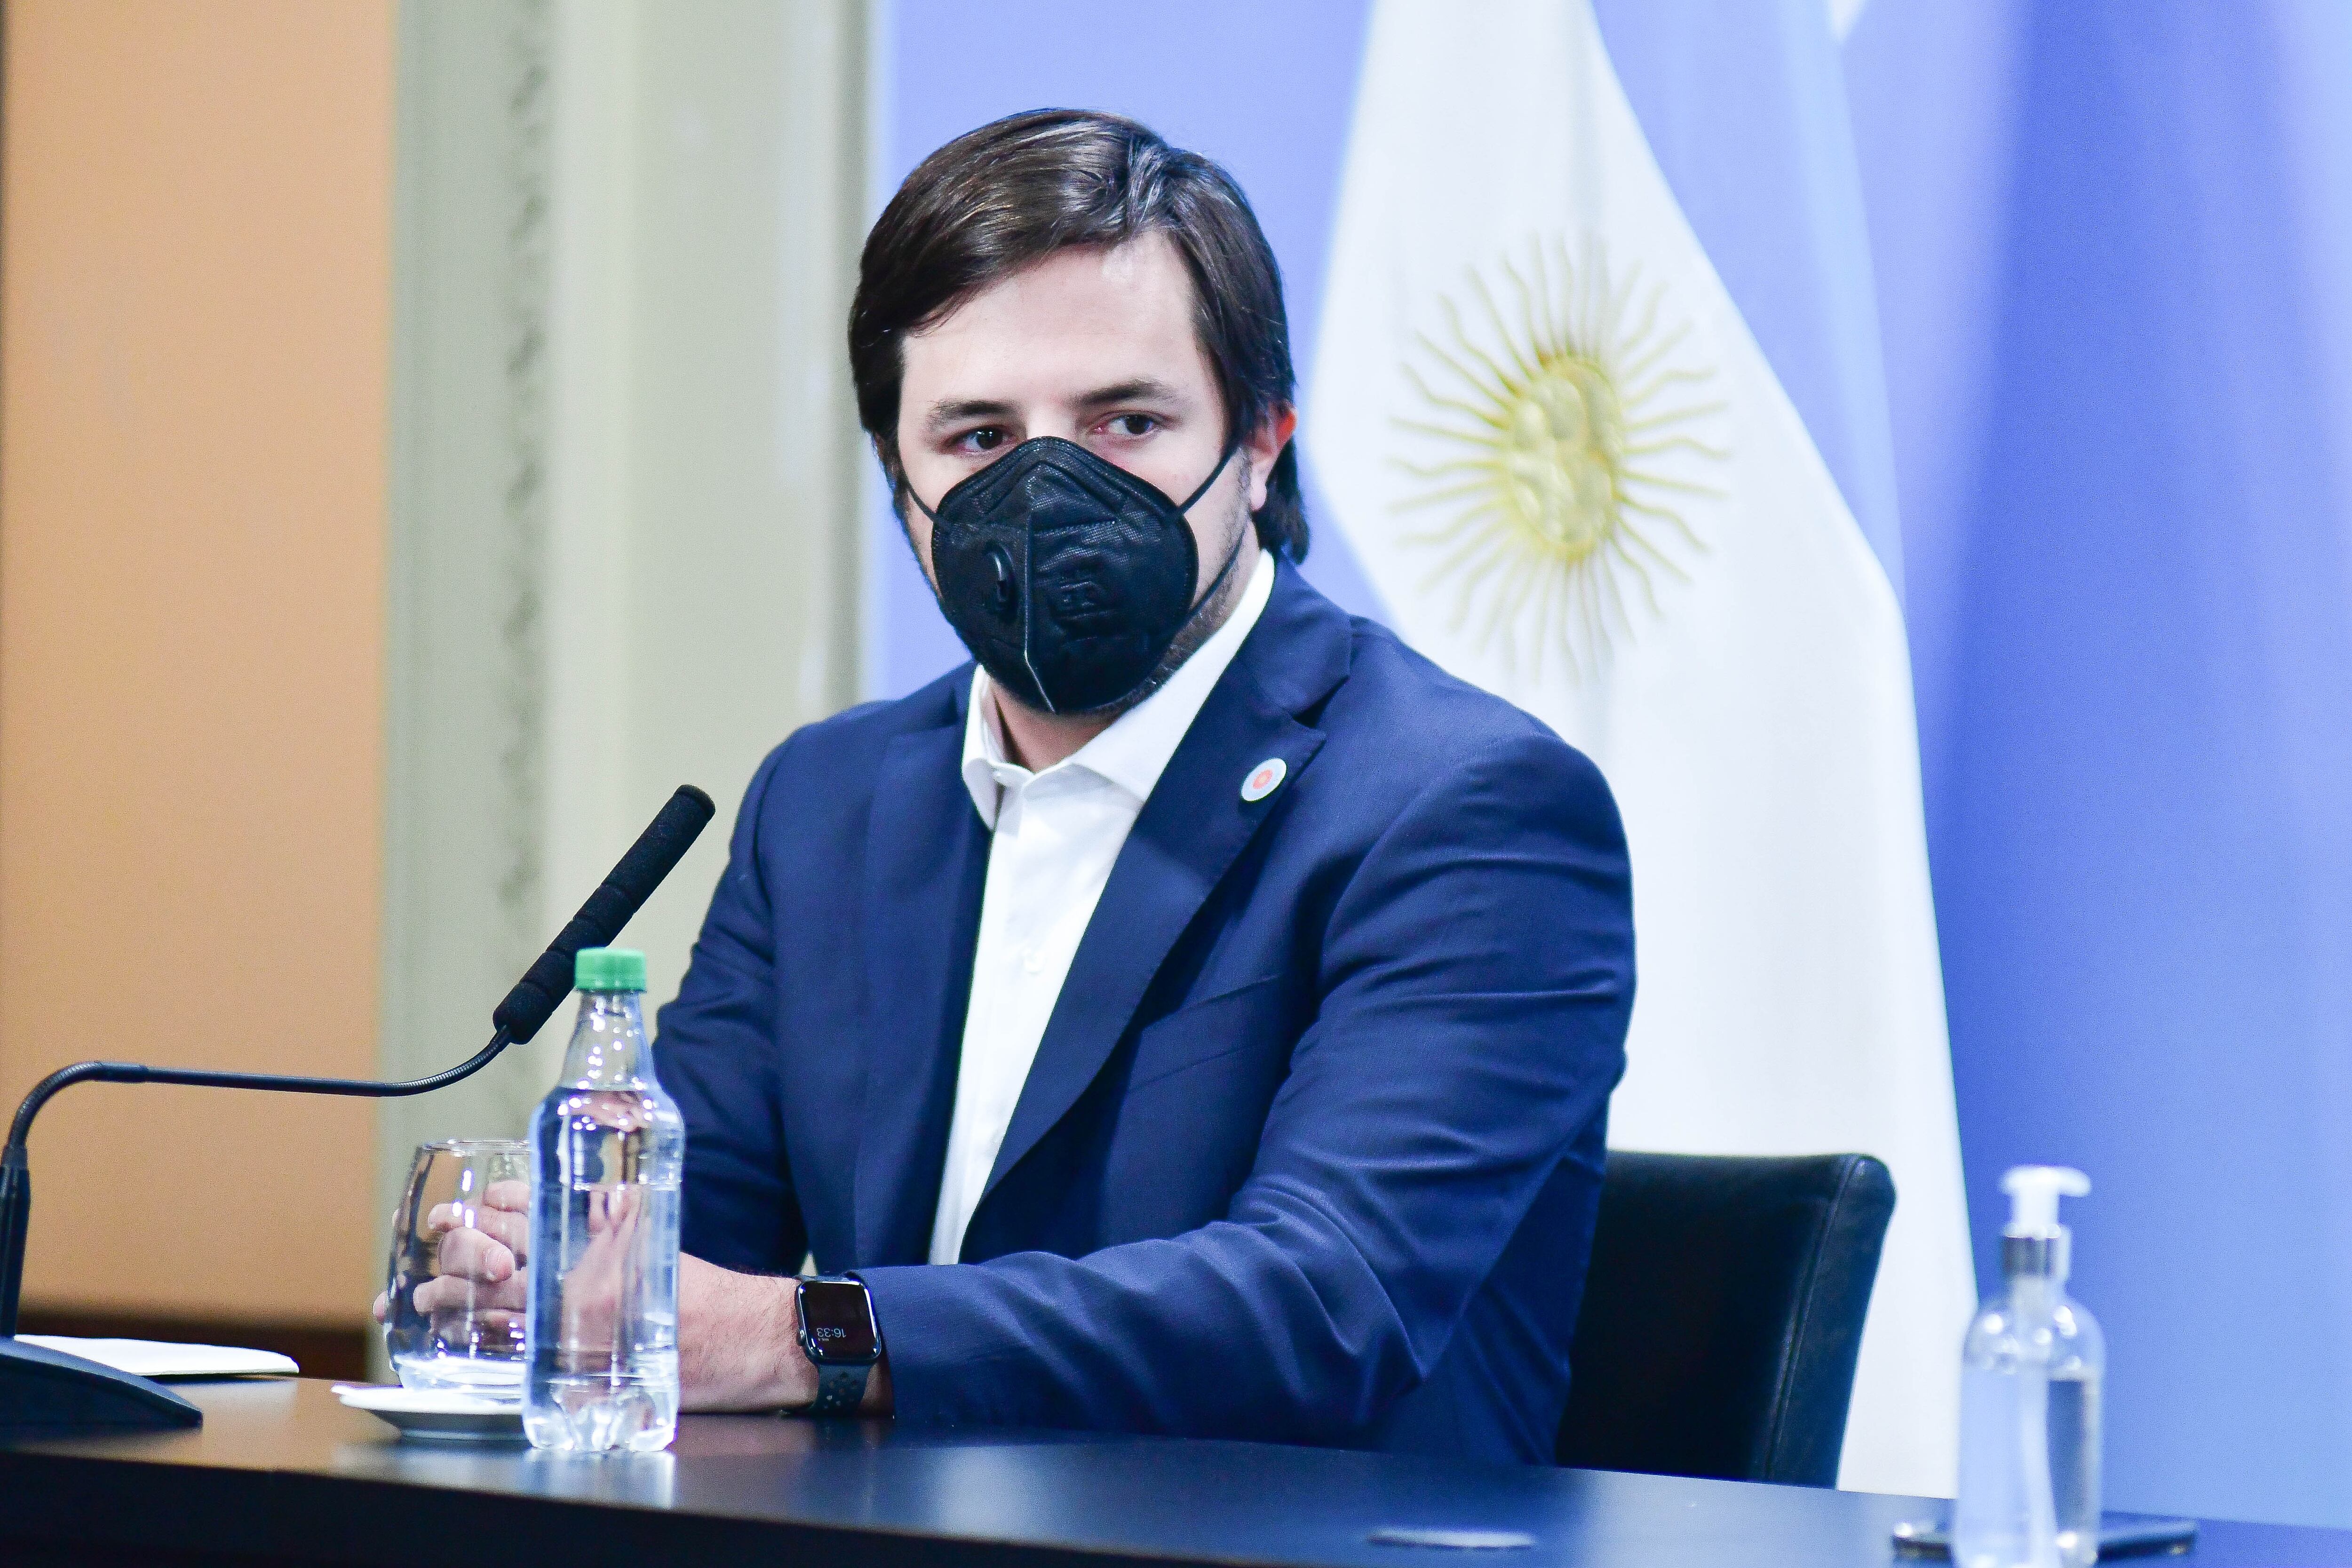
1548 433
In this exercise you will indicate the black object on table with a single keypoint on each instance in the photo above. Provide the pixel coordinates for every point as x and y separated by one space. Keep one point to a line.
2121 1535
281 1473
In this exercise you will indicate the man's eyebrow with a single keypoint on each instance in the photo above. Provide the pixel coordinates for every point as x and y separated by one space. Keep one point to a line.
956 411
1143 388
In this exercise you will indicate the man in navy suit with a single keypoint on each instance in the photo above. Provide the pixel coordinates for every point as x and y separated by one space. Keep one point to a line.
1200 1014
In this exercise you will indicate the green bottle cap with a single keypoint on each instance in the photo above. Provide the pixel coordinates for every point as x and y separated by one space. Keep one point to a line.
609 969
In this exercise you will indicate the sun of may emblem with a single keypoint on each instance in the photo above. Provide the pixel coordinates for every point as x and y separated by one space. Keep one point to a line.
1573 438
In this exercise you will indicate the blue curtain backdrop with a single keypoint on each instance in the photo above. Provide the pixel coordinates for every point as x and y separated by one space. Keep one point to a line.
2110 243
2107 244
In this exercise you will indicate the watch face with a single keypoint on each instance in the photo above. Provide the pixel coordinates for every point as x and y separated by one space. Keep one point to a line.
837 1321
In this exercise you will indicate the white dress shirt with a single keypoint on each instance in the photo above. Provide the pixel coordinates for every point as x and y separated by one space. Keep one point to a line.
1055 835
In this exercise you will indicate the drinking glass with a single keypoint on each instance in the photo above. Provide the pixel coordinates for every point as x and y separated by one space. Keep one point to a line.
454 1306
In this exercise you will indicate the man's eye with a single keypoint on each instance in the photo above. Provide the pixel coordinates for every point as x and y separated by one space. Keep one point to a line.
1131 424
988 438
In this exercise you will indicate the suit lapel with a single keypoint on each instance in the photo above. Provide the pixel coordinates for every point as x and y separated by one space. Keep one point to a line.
925 866
1190 832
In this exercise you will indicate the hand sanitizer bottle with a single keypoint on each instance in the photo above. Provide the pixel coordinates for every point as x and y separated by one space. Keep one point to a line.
2029 1397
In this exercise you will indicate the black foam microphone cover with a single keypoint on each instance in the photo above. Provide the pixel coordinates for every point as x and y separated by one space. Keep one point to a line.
656 851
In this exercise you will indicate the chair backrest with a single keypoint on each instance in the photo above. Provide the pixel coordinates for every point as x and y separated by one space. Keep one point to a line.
1722 1315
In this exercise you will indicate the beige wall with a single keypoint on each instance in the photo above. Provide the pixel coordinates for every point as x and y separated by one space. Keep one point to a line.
195 211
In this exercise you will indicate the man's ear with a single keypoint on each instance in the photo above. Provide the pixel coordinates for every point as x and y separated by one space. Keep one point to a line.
1264 445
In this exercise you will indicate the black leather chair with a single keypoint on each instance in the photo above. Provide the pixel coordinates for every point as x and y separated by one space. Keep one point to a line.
1723 1313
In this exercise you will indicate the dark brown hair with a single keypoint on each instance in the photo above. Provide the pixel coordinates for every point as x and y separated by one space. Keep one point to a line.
1011 193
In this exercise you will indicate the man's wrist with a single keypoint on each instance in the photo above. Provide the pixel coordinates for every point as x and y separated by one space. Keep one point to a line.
796 1375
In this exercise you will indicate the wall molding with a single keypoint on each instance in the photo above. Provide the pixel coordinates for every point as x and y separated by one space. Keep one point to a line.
528 198
624 518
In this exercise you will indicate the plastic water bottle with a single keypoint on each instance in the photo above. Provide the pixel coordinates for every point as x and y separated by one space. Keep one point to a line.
2029 1397
607 1150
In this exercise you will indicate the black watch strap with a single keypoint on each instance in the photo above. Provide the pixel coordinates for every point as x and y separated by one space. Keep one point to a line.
840 1389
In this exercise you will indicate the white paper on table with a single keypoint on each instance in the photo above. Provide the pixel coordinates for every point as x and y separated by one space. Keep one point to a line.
162 1359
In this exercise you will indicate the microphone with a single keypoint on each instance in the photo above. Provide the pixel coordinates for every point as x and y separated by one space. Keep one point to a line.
658 848
41 1387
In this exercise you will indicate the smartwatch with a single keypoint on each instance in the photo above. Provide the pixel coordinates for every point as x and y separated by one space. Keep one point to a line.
839 1336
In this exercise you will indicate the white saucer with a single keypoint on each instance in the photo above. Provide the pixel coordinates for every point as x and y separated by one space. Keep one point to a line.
437 1416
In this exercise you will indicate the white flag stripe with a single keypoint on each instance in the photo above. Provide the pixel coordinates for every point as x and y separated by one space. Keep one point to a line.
1751 703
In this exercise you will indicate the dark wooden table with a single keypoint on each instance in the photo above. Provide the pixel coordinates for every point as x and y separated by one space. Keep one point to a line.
280 1472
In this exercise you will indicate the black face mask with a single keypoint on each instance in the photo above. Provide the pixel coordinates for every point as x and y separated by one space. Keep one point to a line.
1067 577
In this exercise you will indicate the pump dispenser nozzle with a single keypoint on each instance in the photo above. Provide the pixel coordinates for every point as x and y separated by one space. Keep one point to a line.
2033 1242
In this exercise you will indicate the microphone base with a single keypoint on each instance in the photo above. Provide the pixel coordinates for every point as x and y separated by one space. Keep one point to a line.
44 1392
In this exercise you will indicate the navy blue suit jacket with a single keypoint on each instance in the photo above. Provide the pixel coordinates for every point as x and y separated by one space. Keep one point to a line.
1312 1144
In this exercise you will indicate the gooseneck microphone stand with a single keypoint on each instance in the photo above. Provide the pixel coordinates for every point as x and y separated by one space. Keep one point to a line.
16 1183
46 1389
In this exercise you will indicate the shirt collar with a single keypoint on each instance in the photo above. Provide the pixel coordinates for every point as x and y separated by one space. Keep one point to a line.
1135 750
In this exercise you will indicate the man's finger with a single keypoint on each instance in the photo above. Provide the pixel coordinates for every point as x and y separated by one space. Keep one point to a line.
471 1254
612 1210
455 1296
511 1195
508 1227
491 1327
488 1326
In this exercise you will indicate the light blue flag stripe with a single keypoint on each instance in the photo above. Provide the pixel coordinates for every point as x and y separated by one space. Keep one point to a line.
1745 107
